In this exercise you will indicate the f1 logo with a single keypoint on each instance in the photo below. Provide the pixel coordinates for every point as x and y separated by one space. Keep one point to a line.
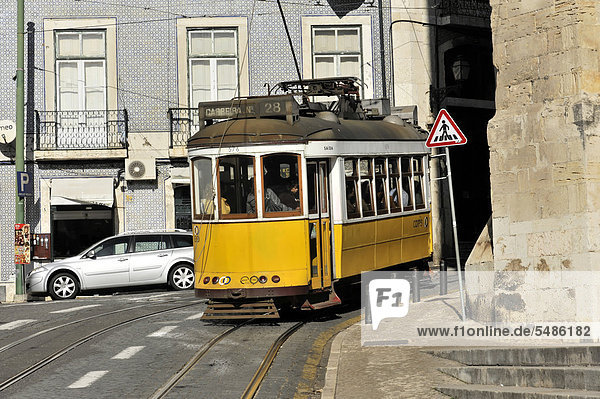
388 298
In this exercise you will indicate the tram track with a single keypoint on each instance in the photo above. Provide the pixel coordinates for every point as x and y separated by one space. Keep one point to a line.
58 354
261 373
48 330
256 380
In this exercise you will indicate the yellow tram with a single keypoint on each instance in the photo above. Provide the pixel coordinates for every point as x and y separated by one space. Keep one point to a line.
288 199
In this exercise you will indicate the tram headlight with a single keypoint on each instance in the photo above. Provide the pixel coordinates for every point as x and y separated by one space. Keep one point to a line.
263 279
275 279
206 280
215 280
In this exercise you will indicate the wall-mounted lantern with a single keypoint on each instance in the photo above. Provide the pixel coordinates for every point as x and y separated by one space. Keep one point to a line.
461 68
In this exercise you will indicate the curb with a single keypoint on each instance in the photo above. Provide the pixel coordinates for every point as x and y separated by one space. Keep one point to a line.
305 388
332 365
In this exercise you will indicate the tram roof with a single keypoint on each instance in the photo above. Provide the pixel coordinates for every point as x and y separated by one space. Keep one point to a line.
304 129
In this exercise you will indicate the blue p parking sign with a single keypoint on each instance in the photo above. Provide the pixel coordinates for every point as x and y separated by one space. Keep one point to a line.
24 184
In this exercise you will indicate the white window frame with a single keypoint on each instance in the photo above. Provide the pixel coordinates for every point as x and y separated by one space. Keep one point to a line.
81 88
363 22
337 55
51 26
213 60
184 25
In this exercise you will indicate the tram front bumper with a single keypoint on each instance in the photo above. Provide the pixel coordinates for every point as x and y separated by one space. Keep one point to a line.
242 293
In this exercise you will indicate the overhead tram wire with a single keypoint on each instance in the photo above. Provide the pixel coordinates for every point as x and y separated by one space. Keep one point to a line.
178 16
118 89
347 6
142 21
287 31
144 8
208 233
415 35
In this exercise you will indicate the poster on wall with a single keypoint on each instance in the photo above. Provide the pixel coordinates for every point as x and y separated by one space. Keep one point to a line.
22 248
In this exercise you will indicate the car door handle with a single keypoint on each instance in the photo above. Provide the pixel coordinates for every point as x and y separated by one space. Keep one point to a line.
122 259
162 255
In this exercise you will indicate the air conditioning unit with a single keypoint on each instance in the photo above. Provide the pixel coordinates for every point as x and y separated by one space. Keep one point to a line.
140 169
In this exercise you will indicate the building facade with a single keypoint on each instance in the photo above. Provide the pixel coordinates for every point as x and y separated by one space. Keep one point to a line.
112 90
544 232
442 58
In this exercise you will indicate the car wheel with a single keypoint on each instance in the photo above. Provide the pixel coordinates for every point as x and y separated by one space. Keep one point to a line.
63 286
181 277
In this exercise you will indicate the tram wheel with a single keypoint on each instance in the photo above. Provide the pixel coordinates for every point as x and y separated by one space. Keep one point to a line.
181 277
63 286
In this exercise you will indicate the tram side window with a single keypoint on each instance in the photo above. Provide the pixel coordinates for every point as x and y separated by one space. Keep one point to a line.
405 167
381 198
394 185
236 187
417 169
351 173
311 173
281 180
203 188
366 186
324 184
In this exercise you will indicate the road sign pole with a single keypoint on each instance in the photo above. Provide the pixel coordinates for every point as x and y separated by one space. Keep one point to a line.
20 127
445 133
458 264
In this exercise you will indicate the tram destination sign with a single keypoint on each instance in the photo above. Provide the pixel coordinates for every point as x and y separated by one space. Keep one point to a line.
248 108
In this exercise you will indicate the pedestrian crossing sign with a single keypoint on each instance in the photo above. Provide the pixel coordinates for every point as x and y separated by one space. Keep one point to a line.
445 132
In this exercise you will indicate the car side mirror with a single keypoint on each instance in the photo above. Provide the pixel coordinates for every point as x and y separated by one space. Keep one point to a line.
91 255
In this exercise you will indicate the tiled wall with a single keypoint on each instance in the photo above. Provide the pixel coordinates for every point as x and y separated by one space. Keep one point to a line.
147 80
146 53
7 215
144 202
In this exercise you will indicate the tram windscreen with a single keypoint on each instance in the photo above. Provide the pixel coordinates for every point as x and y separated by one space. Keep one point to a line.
281 183
236 186
203 188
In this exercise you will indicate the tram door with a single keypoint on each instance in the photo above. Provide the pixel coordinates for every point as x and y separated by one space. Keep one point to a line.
319 223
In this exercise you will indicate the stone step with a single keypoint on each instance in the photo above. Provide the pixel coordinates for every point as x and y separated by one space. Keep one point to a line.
498 392
520 356
582 378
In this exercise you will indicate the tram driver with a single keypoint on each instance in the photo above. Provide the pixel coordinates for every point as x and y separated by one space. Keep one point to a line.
290 196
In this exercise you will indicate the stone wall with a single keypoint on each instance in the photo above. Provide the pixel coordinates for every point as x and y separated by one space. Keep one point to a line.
545 152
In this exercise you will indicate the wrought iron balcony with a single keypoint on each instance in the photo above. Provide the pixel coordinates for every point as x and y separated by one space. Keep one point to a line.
81 130
468 8
184 122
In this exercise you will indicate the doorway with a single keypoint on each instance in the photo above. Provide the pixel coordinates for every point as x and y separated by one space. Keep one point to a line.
319 224
76 227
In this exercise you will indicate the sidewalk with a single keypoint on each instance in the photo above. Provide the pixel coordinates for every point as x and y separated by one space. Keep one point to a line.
355 371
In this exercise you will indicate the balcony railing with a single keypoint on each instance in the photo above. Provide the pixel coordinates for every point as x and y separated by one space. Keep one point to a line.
184 122
81 130
468 8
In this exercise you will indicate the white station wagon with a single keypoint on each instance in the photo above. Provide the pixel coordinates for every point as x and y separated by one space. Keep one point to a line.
127 259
